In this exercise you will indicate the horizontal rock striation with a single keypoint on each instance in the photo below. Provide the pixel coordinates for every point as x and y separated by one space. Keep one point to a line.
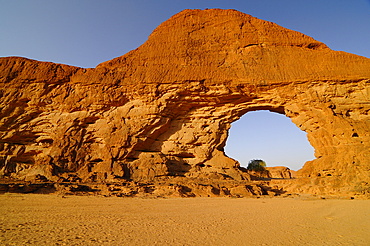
164 109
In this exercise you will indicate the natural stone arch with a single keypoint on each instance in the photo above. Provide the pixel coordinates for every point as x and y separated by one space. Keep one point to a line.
200 133
165 108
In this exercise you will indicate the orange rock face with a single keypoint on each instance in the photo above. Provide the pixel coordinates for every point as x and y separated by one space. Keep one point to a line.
280 172
165 109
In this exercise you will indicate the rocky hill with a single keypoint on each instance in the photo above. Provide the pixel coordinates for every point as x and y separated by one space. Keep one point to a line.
162 112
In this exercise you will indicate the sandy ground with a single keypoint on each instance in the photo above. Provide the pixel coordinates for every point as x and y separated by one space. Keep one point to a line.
82 220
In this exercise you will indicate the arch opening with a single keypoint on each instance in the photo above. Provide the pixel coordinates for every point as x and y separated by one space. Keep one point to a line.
268 136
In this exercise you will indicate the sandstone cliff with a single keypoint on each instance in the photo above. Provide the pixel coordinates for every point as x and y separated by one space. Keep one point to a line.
164 109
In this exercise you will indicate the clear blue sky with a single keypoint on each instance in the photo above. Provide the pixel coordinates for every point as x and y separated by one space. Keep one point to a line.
87 32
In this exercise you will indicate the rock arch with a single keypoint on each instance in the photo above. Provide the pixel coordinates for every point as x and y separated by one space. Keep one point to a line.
165 108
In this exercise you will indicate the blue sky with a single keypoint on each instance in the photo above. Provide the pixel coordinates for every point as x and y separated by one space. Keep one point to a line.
271 137
87 32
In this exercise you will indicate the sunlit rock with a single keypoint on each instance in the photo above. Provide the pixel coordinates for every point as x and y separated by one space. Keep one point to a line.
164 109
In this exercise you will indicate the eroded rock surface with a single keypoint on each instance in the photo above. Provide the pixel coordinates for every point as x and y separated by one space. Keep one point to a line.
164 109
280 172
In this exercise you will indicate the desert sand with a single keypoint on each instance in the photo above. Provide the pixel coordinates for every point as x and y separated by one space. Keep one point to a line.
38 219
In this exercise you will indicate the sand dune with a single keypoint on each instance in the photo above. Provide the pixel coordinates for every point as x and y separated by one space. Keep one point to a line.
86 220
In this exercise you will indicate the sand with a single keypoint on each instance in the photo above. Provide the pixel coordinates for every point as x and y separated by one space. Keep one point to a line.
36 219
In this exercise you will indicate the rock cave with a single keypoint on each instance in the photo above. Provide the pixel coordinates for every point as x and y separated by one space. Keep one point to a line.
163 111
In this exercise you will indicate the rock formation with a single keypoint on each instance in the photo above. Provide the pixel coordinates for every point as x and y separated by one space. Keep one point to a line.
164 109
280 172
